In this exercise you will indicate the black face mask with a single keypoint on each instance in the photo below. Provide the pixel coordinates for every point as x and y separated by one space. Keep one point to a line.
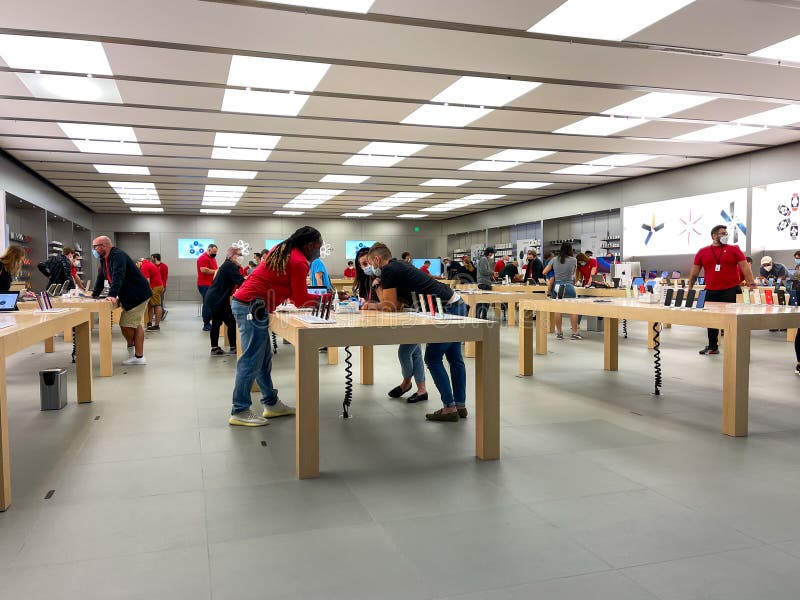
212 254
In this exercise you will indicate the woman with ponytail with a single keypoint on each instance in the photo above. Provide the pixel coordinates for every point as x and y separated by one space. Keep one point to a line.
281 276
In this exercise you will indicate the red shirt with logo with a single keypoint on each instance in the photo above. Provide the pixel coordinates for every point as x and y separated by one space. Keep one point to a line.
209 263
728 257
150 271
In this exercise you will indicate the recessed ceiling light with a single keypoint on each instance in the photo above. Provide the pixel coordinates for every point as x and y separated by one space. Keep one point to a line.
383 154
480 197
243 146
357 6
479 91
582 170
312 198
445 207
462 202
411 216
136 192
228 174
357 215
621 160
785 50
70 87
223 195
525 185
506 159
146 209
215 211
606 19
600 125
344 179
718 133
394 201
122 170
263 103
445 116
54 54
446 182
102 139
777 117
288 213
219 202
275 73
658 104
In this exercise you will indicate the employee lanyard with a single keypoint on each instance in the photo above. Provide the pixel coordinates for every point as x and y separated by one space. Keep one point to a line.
718 258
108 273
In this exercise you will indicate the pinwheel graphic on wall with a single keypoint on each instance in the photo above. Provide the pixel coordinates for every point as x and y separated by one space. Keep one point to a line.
690 226
651 228
733 219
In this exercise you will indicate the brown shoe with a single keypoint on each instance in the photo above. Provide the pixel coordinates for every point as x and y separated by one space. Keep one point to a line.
462 412
439 415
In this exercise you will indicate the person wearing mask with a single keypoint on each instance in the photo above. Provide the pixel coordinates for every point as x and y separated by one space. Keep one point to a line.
10 265
771 270
719 261
60 267
128 288
499 265
585 269
467 272
206 269
73 268
426 268
485 274
281 276
564 269
364 285
350 271
511 270
153 276
164 270
533 268
398 280
218 300
319 274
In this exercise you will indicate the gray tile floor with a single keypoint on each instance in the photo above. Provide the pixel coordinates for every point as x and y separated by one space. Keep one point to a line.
603 491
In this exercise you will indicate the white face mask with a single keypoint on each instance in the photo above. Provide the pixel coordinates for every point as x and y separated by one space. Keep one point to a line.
723 239
582 263
768 268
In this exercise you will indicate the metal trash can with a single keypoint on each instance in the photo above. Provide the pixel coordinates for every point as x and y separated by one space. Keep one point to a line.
53 388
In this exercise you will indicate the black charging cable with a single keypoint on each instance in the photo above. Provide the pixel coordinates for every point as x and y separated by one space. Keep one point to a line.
657 357
625 328
348 382
274 342
74 345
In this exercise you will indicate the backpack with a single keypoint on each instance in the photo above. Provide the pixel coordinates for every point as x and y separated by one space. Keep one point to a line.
56 270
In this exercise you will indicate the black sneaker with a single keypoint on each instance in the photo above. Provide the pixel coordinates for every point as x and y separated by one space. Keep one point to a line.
797 369
153 328
709 350
164 315
217 351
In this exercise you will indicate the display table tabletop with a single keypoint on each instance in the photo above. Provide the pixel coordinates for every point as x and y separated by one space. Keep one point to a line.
371 328
30 328
738 320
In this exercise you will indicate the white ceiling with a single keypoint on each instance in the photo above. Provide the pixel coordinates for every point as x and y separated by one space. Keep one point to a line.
171 59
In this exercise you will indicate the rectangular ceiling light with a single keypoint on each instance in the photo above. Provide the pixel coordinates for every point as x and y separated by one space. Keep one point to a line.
70 87
525 185
776 117
462 202
146 209
215 211
102 139
786 50
243 146
718 133
446 182
600 126
276 74
356 6
223 195
54 54
312 198
411 216
488 91
394 201
582 170
658 104
475 198
288 213
136 192
506 159
383 154
122 170
356 215
228 174
219 202
263 103
344 179
606 19
441 115
621 160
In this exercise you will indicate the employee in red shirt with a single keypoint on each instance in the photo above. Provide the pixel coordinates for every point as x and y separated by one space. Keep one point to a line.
499 265
426 267
350 271
206 269
720 261
281 276
164 270
153 276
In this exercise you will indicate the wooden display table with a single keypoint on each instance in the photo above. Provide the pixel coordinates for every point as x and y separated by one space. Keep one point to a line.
31 328
738 320
371 328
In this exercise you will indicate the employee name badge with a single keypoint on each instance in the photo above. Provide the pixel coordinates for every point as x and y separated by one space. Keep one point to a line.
718 267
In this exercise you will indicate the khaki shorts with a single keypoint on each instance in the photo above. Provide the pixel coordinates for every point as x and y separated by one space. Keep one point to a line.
133 318
155 299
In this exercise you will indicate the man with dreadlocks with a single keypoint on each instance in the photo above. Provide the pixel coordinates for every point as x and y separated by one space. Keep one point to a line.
281 276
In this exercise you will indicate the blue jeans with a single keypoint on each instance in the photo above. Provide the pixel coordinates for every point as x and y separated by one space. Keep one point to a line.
569 289
255 363
410 356
206 311
457 394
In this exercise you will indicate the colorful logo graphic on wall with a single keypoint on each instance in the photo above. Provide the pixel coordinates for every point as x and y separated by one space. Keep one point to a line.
690 226
196 248
651 229
732 219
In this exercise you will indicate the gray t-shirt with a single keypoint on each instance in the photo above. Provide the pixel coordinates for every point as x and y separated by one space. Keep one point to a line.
485 270
565 273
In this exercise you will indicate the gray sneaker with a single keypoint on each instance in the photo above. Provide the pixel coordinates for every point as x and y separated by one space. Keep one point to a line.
559 336
279 409
576 336
247 418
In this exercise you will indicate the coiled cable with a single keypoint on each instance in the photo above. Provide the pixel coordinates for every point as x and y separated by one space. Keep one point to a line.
348 382
274 342
625 328
74 345
657 357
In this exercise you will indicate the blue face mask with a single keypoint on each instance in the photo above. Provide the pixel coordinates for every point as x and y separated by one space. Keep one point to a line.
797 262
95 253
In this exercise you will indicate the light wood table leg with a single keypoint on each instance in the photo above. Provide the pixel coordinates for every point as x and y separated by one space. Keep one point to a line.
68 335
487 395
50 345
469 347
83 362
667 325
333 355
5 457
367 365
735 380
306 377
611 344
512 313
542 326
791 334
525 341
650 336
105 325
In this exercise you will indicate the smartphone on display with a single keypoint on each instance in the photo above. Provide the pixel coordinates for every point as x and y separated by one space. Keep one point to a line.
781 297
771 281
668 297
679 297
701 299
690 298
768 297
793 298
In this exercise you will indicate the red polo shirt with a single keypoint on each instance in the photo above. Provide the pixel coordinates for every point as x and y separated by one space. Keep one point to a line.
209 263
164 270
150 271
728 257
275 288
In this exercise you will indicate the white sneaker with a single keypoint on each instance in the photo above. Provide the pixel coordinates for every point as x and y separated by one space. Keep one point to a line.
247 418
279 409
135 361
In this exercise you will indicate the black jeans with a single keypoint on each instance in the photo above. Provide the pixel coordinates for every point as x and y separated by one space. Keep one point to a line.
219 316
729 296
482 309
